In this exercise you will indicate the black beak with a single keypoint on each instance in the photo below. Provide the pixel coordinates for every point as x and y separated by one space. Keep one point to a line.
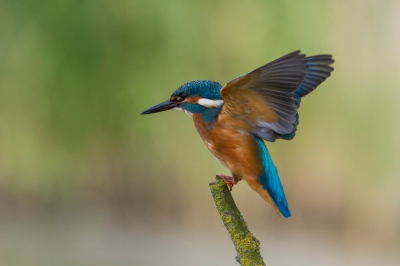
164 106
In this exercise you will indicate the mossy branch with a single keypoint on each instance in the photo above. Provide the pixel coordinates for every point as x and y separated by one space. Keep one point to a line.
246 244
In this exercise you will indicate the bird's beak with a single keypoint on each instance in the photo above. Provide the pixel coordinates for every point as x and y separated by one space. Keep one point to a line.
164 106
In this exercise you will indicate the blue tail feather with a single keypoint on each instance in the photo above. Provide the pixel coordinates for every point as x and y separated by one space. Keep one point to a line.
270 181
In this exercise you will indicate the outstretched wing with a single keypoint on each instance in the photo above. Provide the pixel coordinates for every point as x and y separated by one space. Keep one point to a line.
263 98
319 70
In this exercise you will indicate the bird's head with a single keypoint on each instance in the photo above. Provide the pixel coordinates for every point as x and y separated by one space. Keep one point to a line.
192 97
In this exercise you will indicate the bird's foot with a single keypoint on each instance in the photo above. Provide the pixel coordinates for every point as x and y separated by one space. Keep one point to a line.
229 181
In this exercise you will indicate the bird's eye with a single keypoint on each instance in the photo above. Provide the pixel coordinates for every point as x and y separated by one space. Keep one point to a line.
180 97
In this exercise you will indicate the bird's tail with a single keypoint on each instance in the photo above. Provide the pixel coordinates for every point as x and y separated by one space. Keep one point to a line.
265 195
269 185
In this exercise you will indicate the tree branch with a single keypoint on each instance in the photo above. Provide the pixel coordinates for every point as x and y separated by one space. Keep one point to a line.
246 244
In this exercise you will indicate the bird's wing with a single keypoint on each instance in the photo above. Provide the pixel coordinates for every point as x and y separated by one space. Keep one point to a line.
319 69
263 98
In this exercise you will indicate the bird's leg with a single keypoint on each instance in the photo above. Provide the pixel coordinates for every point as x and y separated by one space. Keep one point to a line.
229 181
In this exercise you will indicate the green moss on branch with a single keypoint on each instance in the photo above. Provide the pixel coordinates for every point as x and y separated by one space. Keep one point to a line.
246 244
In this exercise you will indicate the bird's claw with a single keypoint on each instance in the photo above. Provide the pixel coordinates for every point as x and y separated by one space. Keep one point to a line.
229 181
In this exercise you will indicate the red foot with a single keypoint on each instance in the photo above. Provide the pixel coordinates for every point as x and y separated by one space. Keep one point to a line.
229 181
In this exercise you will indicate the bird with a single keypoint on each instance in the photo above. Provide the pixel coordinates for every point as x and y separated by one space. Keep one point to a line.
234 120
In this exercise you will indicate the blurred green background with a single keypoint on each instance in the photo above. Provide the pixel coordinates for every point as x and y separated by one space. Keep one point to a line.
85 180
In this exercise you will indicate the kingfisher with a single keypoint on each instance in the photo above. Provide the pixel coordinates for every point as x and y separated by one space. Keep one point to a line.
234 120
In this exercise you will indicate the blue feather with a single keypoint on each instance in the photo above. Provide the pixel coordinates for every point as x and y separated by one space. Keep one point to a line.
270 181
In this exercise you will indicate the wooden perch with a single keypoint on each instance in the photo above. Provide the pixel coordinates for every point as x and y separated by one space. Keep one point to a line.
246 244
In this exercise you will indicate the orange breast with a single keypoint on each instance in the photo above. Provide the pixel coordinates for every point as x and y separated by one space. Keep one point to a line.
231 143
235 148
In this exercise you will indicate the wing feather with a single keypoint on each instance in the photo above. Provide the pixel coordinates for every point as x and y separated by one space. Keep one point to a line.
268 97
319 69
274 83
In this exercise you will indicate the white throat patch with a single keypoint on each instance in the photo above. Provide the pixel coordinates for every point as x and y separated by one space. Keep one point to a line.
210 103
182 110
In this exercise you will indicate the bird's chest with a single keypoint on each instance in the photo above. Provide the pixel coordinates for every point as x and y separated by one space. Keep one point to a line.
231 143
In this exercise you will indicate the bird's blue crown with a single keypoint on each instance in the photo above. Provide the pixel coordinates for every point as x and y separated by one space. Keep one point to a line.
203 88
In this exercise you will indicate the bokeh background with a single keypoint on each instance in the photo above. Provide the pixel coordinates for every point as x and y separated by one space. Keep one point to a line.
85 180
